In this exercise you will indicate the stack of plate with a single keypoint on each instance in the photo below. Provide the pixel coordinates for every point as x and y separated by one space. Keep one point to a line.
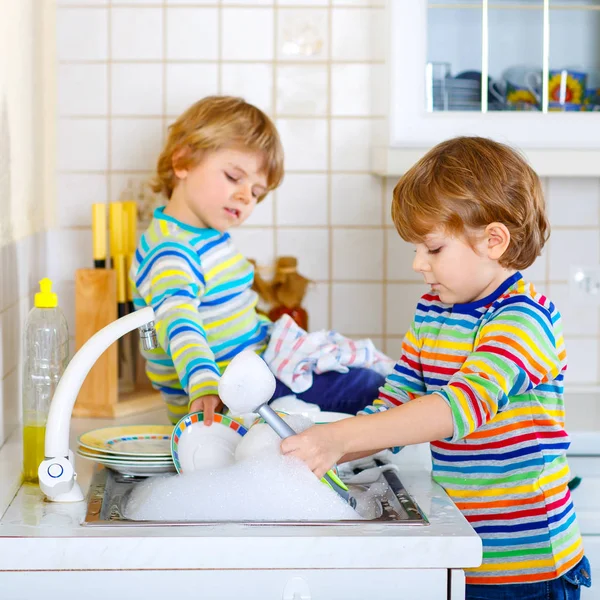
131 449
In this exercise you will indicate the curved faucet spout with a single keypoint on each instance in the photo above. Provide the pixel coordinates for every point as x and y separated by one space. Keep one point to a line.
63 401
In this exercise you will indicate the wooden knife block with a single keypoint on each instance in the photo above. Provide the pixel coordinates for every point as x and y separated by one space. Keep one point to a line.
96 307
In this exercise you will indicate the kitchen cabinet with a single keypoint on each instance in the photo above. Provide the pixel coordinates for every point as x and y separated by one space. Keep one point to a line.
539 62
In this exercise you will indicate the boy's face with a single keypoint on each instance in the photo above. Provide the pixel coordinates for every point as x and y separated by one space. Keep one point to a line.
457 271
221 191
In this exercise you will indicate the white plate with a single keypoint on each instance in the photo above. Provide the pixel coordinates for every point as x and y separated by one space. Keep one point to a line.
328 417
134 468
130 440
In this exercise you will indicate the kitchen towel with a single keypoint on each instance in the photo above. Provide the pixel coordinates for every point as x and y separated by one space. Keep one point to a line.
293 355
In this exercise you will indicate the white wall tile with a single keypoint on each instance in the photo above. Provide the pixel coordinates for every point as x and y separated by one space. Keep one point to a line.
393 347
348 138
537 271
389 184
188 83
302 200
256 243
304 143
68 250
263 213
582 360
82 144
302 90
303 2
572 247
357 254
577 319
356 200
137 33
356 34
357 308
402 301
65 291
82 34
137 89
82 90
212 2
81 2
251 2
136 143
76 194
358 2
316 304
356 90
573 201
399 258
310 246
303 34
120 182
192 33
253 82
247 33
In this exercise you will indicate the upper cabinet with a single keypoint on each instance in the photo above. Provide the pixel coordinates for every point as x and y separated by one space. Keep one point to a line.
526 72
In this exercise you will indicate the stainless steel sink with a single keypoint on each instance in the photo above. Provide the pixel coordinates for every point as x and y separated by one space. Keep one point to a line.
109 492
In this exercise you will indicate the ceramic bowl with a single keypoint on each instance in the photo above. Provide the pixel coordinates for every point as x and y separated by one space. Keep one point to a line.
194 446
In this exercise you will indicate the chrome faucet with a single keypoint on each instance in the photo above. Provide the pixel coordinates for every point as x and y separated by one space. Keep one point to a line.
56 473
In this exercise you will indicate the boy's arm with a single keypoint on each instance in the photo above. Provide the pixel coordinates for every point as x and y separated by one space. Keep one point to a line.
421 420
405 382
172 282
515 352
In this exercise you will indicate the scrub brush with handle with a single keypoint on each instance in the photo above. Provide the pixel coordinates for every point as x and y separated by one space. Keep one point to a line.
246 386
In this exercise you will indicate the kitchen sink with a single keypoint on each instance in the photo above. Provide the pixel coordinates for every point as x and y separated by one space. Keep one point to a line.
389 501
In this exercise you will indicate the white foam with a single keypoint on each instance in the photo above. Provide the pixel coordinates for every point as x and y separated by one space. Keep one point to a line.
261 439
268 487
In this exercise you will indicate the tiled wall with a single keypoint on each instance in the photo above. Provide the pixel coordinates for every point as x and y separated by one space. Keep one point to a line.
127 68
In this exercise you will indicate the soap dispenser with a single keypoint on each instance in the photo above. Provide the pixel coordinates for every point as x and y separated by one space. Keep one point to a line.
45 357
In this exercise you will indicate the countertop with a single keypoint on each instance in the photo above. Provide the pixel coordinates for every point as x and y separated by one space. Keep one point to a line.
39 535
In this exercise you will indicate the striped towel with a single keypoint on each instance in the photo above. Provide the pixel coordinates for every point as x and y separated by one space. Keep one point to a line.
293 355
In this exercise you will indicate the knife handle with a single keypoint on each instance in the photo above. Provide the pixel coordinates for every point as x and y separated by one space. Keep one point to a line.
99 234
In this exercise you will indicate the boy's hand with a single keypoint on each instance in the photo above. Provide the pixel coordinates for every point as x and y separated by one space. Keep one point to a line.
317 447
208 405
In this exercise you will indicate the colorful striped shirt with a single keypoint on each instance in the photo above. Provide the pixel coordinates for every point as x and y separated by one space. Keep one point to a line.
200 288
499 363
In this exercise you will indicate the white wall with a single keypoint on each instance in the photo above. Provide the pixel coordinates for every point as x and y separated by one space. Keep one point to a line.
126 69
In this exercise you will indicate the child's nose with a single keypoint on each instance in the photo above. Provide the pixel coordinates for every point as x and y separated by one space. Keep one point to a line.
420 264
244 194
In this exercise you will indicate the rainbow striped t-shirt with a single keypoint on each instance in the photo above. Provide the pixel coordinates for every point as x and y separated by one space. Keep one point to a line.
499 363
200 288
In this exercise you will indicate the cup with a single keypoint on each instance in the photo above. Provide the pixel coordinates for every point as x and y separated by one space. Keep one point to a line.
518 88
566 87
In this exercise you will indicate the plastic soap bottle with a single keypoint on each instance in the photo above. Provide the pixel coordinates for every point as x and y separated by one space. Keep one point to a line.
45 357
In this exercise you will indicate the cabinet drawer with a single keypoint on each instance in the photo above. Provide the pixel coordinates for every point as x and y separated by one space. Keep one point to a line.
326 584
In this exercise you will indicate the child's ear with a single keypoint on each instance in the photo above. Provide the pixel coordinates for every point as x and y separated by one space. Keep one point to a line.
498 239
177 161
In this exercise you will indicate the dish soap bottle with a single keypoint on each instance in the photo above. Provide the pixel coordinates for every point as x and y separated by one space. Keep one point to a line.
45 357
